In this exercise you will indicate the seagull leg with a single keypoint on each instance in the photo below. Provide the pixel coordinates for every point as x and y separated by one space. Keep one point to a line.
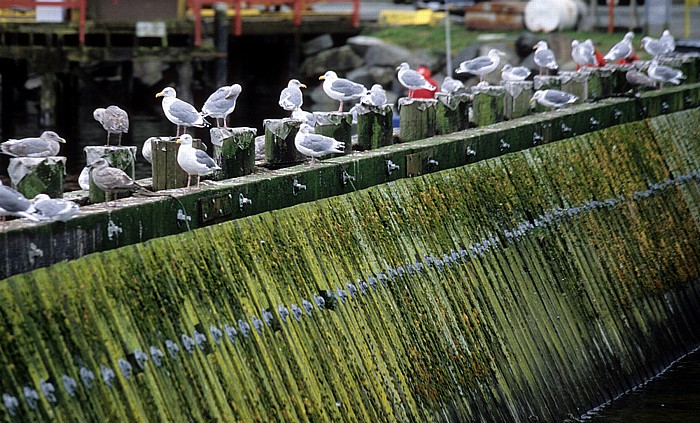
189 178
107 139
340 108
197 181
120 139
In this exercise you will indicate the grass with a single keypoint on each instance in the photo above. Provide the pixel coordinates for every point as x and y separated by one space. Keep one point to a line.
432 38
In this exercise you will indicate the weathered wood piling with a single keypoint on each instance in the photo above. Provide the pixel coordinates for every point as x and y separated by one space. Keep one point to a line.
417 118
452 112
488 105
279 141
166 173
374 127
337 125
40 175
123 158
234 151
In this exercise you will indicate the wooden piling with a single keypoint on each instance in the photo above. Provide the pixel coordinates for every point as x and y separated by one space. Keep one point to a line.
598 82
337 125
517 99
279 141
374 127
488 105
38 175
166 173
417 118
234 151
452 113
575 83
123 158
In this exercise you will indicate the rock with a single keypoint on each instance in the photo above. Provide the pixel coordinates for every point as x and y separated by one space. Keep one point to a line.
361 75
525 43
317 44
467 53
386 55
338 59
361 43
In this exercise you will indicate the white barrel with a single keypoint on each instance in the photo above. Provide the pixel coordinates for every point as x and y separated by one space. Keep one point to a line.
550 15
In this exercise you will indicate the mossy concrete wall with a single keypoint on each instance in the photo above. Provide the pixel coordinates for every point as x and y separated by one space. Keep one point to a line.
28 245
526 287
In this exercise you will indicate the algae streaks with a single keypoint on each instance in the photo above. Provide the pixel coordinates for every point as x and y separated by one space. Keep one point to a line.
493 291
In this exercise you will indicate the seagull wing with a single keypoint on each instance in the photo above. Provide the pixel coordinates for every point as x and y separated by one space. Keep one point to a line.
204 159
347 87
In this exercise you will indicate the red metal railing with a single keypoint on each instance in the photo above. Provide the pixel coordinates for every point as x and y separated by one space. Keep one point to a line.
68 4
298 7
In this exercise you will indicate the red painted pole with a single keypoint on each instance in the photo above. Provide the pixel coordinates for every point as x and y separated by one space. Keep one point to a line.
611 16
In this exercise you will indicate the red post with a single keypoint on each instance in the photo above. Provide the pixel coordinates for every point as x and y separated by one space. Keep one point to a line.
237 20
611 16
81 28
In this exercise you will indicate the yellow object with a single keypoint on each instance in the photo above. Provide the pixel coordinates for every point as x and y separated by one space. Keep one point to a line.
410 17
688 5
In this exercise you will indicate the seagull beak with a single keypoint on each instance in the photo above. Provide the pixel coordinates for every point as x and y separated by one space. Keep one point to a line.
160 94
321 78
62 140
304 86
179 141
501 53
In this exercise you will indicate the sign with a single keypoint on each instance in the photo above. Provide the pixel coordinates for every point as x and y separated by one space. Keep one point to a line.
150 29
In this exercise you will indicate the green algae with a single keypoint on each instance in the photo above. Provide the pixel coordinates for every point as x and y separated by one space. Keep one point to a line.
560 317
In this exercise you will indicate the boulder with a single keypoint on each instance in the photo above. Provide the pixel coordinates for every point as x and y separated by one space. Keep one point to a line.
386 55
361 43
339 59
317 44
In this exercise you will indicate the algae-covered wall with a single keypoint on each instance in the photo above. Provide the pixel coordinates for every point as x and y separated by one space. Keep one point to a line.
534 285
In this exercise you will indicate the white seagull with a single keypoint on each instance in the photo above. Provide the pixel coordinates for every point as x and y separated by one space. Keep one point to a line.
514 73
14 203
668 39
46 145
583 53
621 50
412 80
376 96
221 103
54 209
451 86
341 89
654 47
179 112
544 57
291 98
316 145
194 161
481 65
553 98
113 119
663 74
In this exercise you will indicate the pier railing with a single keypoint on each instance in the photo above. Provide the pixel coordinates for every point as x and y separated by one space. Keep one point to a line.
297 6
68 4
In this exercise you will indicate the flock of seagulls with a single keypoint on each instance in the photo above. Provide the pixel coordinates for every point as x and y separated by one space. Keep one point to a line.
222 103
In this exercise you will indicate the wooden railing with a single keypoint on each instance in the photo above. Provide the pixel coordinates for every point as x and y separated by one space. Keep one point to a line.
297 6
68 4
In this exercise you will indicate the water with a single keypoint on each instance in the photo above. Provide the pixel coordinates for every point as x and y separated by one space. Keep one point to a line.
672 397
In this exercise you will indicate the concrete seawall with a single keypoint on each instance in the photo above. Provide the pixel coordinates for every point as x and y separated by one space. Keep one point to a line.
529 286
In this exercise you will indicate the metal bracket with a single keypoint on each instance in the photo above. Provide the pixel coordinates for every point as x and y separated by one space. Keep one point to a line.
242 201
296 187
391 166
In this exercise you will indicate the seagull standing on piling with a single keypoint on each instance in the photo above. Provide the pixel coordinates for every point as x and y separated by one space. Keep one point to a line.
583 53
316 145
451 86
54 209
412 80
544 57
341 89
481 65
291 98
46 145
376 96
511 73
179 112
114 120
112 180
221 103
555 99
656 48
194 161
622 49
668 40
14 203
663 74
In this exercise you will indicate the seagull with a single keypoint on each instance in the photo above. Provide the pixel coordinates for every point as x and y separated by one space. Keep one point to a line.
639 79
221 103
583 53
451 86
544 57
112 180
13 203
341 89
654 47
663 74
194 161
146 150
316 145
514 73
54 209
46 145
412 80
621 50
481 65
668 40
113 119
179 112
84 178
553 98
291 98
376 96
